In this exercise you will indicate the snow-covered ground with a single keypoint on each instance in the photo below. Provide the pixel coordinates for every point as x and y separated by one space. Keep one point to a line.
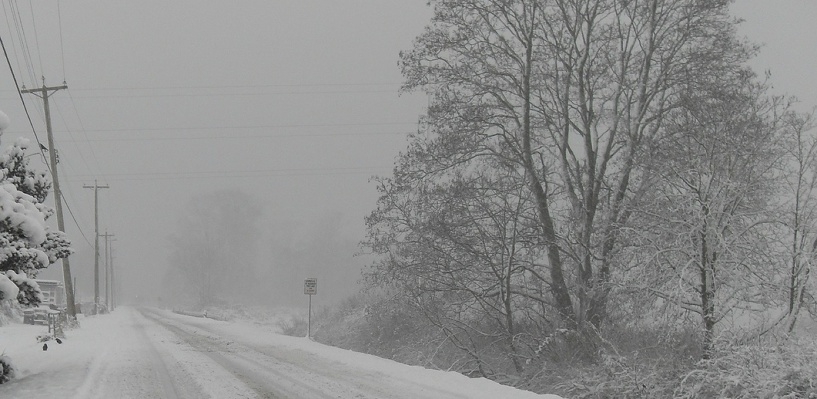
150 353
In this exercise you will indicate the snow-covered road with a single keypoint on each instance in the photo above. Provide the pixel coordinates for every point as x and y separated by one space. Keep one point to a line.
150 353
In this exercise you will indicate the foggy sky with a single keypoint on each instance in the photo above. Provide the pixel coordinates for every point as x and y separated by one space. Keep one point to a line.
292 102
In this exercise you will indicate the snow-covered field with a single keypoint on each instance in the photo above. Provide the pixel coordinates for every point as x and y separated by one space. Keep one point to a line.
150 353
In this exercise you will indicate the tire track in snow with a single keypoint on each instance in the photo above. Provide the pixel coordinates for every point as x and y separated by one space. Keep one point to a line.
160 370
269 375
292 373
255 376
145 375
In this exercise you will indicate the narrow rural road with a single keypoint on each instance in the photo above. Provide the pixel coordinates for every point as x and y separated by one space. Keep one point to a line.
120 355
277 372
151 353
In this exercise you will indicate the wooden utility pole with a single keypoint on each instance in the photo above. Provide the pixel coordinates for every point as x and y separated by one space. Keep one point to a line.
108 289
43 93
96 188
113 279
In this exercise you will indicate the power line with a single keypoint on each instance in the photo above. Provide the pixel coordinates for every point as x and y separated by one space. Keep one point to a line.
21 36
13 45
245 127
62 48
73 139
281 126
84 131
240 173
236 90
36 36
65 201
237 137
20 94
237 86
173 95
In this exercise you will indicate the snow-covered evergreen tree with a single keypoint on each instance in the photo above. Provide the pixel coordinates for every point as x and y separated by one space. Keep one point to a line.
27 243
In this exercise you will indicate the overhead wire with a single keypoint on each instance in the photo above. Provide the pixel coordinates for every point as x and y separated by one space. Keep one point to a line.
62 48
73 139
25 108
23 39
26 51
276 126
76 223
36 37
210 87
168 95
234 137
16 16
289 172
83 130
69 166
13 45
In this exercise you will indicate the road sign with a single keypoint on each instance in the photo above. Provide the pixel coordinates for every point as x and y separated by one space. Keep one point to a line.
311 286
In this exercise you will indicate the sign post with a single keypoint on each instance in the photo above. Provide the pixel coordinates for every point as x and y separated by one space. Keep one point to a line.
310 288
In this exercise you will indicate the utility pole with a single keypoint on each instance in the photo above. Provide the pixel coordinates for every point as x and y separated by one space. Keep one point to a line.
107 270
113 279
43 93
96 188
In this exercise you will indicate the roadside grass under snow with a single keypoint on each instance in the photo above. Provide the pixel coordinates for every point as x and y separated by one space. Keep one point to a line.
643 363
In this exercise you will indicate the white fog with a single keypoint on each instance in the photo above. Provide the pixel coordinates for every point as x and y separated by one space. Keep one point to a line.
240 146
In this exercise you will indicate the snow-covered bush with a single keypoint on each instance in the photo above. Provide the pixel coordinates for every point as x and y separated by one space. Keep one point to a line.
8 290
774 368
9 311
786 369
294 326
6 369
29 291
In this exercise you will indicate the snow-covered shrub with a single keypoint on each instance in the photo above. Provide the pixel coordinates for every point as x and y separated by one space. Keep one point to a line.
7 370
614 376
769 369
8 290
29 291
294 326
9 311
374 323
785 369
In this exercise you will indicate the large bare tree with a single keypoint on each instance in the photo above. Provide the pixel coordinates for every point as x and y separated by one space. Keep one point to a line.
571 94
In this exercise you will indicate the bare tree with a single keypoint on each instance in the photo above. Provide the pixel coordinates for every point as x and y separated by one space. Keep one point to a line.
710 222
571 93
462 249
800 207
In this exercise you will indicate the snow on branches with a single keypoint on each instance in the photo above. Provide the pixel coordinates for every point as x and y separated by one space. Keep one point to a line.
27 243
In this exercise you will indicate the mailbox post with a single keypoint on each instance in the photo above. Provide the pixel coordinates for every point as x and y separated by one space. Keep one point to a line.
310 288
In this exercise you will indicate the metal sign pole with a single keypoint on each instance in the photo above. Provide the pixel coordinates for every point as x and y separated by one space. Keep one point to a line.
310 288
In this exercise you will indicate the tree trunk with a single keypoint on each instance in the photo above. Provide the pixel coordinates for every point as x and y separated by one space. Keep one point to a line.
559 290
707 297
